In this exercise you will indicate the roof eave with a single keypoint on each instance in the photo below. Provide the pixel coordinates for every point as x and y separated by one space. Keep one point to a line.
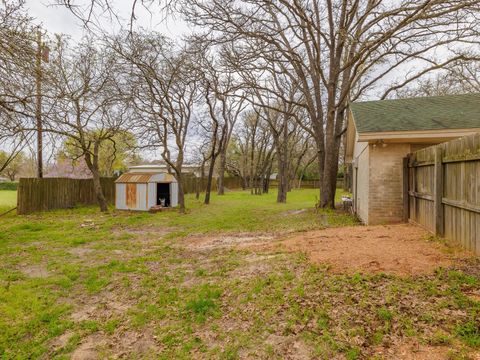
416 135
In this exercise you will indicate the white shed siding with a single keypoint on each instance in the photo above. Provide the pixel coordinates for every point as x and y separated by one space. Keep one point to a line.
173 194
152 195
120 197
141 197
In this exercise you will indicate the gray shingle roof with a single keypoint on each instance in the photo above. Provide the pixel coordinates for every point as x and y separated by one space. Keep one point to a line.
424 113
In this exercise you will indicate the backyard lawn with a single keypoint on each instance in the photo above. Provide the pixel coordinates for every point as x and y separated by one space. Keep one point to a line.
210 284
8 200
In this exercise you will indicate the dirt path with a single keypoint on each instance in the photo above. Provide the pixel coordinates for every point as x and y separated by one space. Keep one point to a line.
393 249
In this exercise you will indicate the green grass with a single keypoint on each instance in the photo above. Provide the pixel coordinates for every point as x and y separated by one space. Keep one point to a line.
8 200
241 211
79 274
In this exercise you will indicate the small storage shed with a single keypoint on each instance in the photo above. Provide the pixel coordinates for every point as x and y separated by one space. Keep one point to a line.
141 191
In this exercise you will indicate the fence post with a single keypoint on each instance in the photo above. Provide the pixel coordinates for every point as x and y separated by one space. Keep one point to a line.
405 189
438 192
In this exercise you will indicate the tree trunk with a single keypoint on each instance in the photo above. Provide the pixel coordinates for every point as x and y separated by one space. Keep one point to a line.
97 186
93 167
266 186
197 188
244 183
208 190
221 173
282 176
329 180
181 195
320 143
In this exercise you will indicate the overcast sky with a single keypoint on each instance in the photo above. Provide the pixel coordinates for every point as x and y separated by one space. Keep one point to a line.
58 19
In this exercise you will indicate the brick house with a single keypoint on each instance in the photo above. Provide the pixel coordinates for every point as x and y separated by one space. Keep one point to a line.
381 133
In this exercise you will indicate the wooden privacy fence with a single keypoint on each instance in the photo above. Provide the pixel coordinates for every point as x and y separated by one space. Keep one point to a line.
307 184
443 186
191 183
233 183
59 193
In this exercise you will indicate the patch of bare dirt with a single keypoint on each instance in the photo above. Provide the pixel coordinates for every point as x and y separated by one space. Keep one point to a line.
88 348
294 212
104 305
415 351
473 294
140 345
391 249
124 345
80 251
35 271
61 341
255 265
226 240
395 249
158 231
412 350
289 347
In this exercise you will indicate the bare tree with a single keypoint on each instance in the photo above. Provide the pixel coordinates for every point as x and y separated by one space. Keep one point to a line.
163 86
88 108
252 152
17 74
461 78
338 50
224 107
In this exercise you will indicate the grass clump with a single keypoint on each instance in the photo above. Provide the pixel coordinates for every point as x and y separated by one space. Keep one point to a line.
204 303
469 332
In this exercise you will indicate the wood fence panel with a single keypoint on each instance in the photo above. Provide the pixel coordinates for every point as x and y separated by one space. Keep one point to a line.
59 193
444 190
190 184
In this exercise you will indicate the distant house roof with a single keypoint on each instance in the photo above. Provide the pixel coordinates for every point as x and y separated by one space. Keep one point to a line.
424 113
161 167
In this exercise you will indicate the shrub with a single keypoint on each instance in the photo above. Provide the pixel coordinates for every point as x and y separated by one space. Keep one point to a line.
9 185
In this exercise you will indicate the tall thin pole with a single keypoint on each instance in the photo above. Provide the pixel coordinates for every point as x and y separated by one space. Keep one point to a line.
38 107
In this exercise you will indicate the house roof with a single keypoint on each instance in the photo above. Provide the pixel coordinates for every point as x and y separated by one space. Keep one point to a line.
141 178
161 167
424 113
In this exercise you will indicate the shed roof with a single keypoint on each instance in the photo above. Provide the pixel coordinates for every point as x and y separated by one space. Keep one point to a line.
424 113
141 178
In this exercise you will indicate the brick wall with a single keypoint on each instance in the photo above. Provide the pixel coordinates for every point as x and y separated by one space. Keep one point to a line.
386 183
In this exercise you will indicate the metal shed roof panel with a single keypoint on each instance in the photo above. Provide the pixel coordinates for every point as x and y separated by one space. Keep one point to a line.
142 178
134 178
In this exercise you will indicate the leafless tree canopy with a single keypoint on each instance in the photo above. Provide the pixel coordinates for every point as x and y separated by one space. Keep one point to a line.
261 82
163 83
337 50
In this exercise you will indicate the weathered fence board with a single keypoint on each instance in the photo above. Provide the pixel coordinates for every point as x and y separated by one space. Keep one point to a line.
59 193
444 190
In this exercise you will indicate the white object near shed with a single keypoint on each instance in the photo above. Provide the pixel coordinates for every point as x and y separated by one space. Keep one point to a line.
141 191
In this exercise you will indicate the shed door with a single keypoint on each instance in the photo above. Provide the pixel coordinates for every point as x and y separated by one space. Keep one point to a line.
131 195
